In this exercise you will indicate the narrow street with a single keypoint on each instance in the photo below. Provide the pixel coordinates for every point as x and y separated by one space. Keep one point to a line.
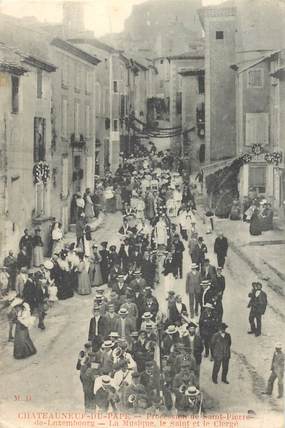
49 380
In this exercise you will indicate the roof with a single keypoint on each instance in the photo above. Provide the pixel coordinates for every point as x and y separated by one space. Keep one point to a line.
193 54
12 60
39 63
94 42
69 47
191 71
226 8
253 63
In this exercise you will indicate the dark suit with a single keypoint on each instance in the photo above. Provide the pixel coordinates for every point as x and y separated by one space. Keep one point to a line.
209 273
221 351
221 249
175 316
258 304
208 326
103 332
104 264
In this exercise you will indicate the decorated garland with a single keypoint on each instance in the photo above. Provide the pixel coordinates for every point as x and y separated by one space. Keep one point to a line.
41 172
257 149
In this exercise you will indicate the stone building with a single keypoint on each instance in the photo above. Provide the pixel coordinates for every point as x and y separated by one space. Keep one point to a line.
73 126
260 111
25 127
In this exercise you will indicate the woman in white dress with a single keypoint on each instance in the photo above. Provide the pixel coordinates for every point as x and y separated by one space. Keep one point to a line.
160 232
140 208
56 236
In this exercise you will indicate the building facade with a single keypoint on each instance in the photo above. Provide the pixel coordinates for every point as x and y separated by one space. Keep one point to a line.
260 111
25 115
73 126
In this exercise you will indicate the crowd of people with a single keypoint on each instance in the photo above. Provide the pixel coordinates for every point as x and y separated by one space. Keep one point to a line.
142 353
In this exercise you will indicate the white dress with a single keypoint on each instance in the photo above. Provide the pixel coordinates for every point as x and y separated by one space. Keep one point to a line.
161 233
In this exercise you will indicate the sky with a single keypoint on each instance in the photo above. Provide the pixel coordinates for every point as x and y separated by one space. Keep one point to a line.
101 16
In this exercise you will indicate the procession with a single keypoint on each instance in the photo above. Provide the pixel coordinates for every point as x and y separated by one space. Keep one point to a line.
142 213
146 345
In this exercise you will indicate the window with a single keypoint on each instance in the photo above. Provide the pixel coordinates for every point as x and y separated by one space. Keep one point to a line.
77 77
115 125
255 78
257 128
76 119
87 121
65 176
64 73
257 178
115 86
88 87
39 139
161 61
64 117
122 106
39 83
179 103
15 94
201 84
219 35
98 98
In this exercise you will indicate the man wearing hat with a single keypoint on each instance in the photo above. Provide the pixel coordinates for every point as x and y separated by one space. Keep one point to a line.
220 283
193 289
124 326
277 371
111 315
169 339
221 351
257 305
194 344
221 249
89 371
208 272
130 306
113 256
138 284
106 356
106 396
120 287
105 262
99 329
177 311
150 303
207 326
150 379
29 291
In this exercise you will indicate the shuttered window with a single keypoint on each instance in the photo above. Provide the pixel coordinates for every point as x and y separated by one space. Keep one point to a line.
257 128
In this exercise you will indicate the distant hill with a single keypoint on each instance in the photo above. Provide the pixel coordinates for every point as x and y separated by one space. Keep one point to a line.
160 27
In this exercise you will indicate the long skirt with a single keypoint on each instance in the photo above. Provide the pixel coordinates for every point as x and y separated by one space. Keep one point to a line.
65 285
23 345
57 246
84 286
118 202
95 275
38 257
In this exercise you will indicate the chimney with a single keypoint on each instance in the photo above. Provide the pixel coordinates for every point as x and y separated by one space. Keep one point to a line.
73 17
